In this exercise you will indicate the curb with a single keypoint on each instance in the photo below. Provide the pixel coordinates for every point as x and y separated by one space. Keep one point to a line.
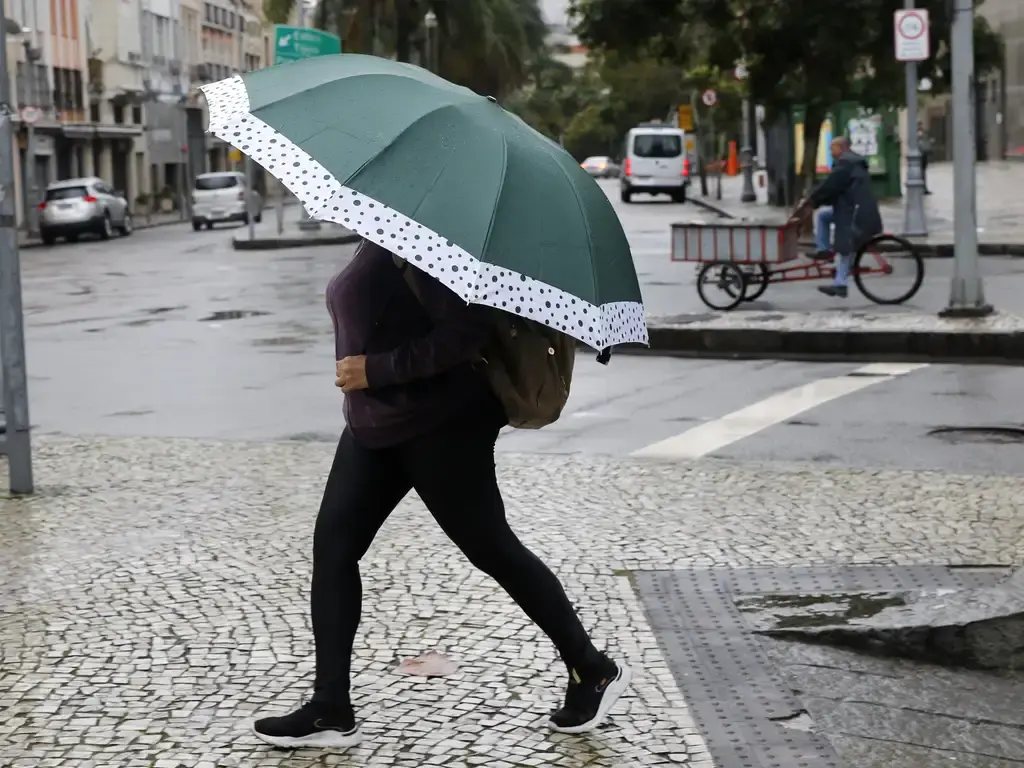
276 243
1006 347
700 203
138 228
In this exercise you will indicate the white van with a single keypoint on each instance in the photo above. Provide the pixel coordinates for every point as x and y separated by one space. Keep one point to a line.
220 197
656 162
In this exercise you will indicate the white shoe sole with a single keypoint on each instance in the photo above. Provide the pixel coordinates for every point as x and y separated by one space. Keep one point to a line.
320 739
615 689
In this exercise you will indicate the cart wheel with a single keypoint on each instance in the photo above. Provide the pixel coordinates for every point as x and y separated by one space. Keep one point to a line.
755 277
721 285
888 269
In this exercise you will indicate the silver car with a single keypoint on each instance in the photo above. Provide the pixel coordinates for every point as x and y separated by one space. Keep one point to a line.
600 167
83 206
220 197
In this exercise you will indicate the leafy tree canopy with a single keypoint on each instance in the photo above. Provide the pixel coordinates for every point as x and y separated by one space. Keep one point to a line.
808 52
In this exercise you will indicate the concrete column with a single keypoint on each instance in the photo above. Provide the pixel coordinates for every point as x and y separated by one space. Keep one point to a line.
76 164
19 195
88 166
133 190
106 169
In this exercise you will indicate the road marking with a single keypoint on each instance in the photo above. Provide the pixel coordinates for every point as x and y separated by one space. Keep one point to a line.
715 435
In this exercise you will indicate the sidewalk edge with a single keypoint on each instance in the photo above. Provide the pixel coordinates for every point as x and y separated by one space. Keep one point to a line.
1005 347
138 227
276 243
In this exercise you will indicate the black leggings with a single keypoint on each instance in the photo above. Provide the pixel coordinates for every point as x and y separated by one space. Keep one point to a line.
452 470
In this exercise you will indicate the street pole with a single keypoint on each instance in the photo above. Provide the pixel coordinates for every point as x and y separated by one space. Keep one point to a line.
12 333
967 295
249 220
748 196
30 145
914 223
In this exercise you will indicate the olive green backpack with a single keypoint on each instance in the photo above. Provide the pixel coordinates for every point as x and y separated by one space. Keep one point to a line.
528 365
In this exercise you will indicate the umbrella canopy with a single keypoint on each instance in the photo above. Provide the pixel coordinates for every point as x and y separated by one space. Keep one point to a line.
447 180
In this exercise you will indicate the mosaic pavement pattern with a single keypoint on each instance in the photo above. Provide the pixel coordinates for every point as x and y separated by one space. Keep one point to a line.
153 597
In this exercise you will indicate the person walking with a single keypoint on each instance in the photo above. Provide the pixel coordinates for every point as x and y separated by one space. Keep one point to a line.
851 216
420 416
924 146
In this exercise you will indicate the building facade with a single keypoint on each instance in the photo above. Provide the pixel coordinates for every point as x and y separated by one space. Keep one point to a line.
1005 115
111 88
57 134
999 98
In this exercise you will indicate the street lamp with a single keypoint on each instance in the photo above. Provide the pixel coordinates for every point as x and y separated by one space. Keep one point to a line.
430 24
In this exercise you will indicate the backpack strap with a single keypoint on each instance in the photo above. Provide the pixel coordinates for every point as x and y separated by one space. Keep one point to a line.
409 275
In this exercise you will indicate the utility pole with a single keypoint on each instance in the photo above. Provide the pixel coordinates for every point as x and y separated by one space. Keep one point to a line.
746 151
31 56
967 295
914 223
249 214
17 443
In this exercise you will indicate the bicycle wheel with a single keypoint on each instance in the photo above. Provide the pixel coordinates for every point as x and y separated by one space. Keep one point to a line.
756 280
888 269
721 285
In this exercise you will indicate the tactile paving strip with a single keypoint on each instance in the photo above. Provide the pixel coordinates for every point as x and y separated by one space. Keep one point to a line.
740 700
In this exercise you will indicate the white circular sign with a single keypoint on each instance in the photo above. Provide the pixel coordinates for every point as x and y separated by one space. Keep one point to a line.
30 115
911 26
709 97
742 73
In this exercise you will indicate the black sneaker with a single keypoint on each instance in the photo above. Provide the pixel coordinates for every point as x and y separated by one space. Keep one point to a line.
311 725
838 291
821 255
589 698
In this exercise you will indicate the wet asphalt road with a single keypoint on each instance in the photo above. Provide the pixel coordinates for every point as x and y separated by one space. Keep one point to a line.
174 333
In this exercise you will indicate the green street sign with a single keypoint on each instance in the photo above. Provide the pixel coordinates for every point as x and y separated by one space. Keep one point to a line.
294 43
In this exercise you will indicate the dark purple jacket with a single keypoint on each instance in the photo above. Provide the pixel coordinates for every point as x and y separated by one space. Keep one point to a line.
419 351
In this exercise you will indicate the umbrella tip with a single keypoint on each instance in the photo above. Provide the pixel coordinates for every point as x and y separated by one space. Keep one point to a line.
492 99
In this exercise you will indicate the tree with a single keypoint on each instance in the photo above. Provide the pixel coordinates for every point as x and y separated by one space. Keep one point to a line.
486 45
805 52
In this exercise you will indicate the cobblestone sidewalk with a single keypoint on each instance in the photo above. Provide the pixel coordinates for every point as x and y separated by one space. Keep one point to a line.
153 597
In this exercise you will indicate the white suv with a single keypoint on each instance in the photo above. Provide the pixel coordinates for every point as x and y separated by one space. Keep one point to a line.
220 197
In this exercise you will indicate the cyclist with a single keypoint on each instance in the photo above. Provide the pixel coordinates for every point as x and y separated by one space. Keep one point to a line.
852 210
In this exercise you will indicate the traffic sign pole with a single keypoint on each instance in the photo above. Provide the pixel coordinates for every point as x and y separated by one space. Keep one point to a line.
16 442
967 294
747 151
914 222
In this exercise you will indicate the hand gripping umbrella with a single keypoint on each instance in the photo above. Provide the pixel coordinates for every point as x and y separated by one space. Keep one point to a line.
445 179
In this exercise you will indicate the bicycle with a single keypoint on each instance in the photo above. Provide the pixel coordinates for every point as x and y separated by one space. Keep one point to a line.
750 266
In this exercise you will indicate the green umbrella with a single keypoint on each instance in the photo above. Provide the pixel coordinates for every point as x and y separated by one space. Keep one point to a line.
447 180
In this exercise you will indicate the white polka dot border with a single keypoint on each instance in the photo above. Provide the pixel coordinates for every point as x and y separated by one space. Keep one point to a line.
477 282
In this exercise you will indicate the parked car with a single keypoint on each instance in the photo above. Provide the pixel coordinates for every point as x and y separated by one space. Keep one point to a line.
600 167
657 162
83 206
220 197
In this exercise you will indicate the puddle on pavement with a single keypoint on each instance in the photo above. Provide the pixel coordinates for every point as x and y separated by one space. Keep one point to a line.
231 314
821 610
990 435
163 310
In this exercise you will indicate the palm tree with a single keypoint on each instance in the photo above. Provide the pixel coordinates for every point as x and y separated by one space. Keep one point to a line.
486 45
489 45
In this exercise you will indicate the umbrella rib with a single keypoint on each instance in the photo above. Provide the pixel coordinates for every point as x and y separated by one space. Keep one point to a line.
586 222
494 212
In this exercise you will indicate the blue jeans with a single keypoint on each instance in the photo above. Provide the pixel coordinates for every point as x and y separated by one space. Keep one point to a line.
823 242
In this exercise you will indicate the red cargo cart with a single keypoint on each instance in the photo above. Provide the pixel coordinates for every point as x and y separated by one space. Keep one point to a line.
739 260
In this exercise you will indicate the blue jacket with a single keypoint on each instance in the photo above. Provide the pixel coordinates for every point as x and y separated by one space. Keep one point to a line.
855 211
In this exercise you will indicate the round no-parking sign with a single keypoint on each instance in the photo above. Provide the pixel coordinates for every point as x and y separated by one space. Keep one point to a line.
911 28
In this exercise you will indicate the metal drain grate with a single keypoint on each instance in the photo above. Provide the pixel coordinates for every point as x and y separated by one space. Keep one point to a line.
740 700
